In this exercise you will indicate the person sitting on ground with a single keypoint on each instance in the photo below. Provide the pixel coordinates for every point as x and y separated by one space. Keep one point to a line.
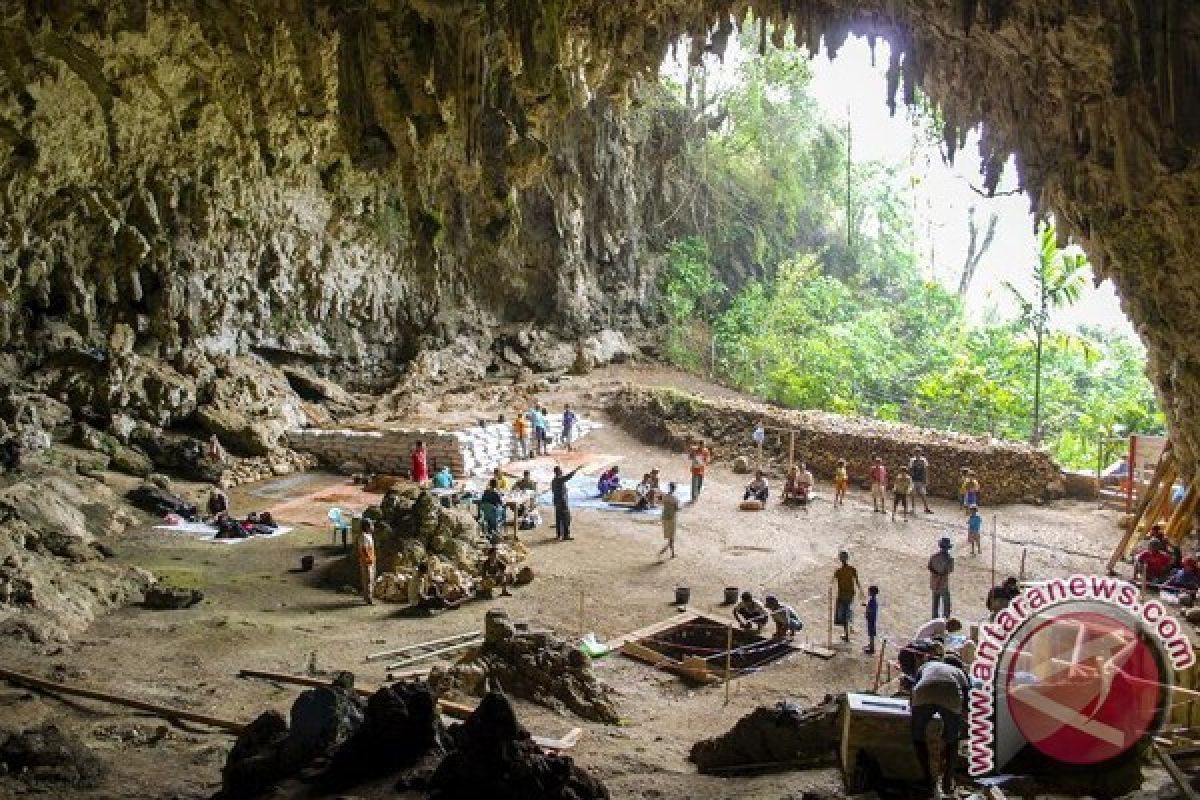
218 503
798 484
939 628
610 481
443 479
228 528
750 614
1154 564
493 571
789 483
500 478
1000 596
526 483
786 620
1186 578
648 492
757 489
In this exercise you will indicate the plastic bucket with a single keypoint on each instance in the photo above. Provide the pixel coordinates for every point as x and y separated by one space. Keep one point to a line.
731 595
682 595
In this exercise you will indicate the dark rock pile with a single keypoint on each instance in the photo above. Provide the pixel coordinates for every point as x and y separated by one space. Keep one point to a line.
336 742
533 665
168 598
48 755
494 757
784 734
1007 471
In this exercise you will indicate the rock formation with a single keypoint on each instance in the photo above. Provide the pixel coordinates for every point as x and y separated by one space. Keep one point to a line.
364 187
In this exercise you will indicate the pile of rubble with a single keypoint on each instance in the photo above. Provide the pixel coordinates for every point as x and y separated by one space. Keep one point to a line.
783 734
413 529
533 665
1007 471
337 741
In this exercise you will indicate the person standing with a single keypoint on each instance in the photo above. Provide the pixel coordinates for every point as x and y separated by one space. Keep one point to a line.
841 481
366 560
760 438
670 511
901 489
218 502
419 473
918 468
521 434
562 508
971 489
569 419
941 564
537 421
879 478
544 416
975 531
941 689
845 578
872 616
699 458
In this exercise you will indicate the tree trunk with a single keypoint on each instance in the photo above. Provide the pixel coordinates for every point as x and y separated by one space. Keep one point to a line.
1036 434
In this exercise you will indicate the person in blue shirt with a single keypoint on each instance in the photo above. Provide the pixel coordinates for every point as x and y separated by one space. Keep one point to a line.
442 479
975 530
537 419
872 615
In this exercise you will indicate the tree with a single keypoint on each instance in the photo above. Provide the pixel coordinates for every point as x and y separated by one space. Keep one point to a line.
1058 279
976 248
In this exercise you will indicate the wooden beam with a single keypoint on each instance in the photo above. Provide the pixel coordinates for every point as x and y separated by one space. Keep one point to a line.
30 682
390 653
1177 775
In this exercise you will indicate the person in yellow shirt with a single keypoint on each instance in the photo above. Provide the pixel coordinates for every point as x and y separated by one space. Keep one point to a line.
501 479
841 480
521 434
845 578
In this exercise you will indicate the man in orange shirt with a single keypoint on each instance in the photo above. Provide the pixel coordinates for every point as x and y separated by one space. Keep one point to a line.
699 458
366 560
521 432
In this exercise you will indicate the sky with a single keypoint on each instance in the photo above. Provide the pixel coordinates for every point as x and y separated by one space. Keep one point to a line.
944 192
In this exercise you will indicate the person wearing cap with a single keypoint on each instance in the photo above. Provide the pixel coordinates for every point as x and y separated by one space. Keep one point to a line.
750 614
975 531
786 620
941 564
845 578
879 479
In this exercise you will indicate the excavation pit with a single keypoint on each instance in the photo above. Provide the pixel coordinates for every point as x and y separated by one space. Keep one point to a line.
696 648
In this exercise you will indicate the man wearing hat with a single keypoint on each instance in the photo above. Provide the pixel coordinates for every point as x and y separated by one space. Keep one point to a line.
941 564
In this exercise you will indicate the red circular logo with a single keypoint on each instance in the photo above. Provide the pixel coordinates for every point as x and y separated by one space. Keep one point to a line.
1084 687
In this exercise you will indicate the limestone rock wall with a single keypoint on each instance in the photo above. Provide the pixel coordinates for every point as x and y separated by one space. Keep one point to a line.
355 184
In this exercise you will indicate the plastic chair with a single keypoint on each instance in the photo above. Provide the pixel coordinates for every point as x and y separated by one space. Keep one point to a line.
340 525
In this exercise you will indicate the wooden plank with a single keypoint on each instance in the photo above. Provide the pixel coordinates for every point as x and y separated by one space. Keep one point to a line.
650 630
818 651
165 712
390 653
1177 775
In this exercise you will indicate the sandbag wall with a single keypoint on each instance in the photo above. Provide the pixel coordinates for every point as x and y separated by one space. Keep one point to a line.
469 452
1008 471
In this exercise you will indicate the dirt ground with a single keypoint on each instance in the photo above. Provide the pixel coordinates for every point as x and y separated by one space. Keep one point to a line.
261 613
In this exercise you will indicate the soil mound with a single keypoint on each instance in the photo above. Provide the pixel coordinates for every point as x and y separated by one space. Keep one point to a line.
784 734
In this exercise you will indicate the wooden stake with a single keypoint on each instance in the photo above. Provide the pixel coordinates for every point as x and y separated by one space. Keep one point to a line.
829 618
791 449
993 549
1177 775
728 661
879 666
1021 574
581 595
20 679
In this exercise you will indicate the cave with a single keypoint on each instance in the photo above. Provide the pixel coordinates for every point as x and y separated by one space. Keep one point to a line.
214 215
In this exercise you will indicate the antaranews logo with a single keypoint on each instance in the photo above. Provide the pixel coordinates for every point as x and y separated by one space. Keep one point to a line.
1080 667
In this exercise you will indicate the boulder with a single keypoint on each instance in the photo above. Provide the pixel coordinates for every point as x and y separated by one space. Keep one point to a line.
167 598
239 433
47 754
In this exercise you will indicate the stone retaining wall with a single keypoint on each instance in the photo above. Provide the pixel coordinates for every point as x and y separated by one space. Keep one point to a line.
469 452
1008 471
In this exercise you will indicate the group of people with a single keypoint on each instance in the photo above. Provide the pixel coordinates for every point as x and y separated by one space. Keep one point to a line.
531 430
1161 565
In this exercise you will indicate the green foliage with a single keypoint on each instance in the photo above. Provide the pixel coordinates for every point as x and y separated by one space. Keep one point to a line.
688 287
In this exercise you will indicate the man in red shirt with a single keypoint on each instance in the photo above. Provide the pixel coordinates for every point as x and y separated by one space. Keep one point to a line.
420 465
1155 562
699 458
879 478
